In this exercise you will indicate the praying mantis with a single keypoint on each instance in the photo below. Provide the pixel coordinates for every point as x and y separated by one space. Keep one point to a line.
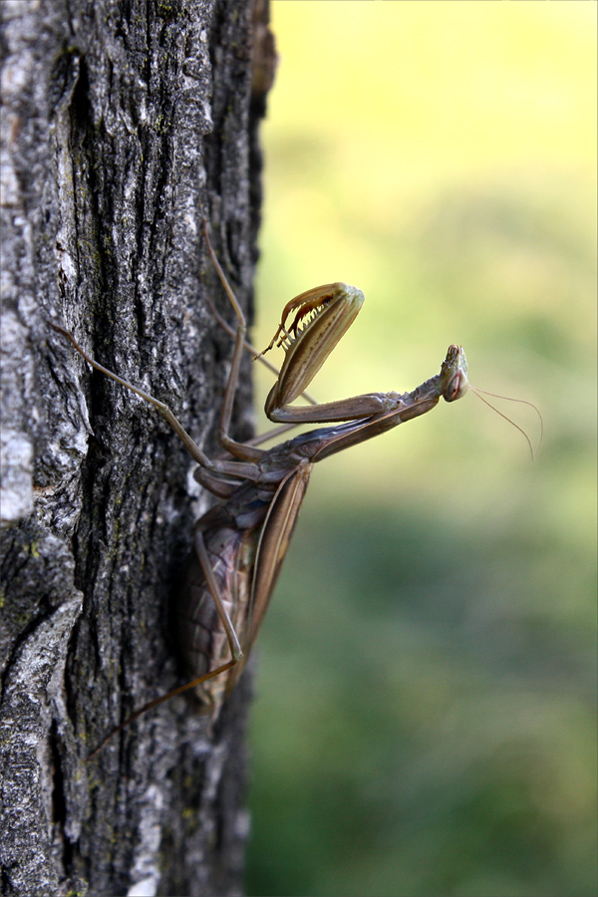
241 542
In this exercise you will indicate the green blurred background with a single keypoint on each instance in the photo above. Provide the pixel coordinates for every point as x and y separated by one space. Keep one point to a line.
425 714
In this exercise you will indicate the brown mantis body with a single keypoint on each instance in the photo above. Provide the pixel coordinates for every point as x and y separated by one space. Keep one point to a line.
240 544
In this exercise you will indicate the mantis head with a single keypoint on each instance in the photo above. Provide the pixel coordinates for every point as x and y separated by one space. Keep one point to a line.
454 382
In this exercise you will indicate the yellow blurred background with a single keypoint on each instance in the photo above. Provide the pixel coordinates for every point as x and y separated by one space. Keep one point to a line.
425 714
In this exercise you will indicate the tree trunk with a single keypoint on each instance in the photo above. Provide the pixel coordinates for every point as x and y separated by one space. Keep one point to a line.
124 122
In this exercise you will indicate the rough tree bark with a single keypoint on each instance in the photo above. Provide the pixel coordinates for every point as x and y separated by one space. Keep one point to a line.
123 122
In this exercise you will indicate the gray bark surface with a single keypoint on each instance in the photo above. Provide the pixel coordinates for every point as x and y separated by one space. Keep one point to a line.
123 122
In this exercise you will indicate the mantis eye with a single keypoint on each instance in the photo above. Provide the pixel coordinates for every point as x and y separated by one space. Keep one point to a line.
456 387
